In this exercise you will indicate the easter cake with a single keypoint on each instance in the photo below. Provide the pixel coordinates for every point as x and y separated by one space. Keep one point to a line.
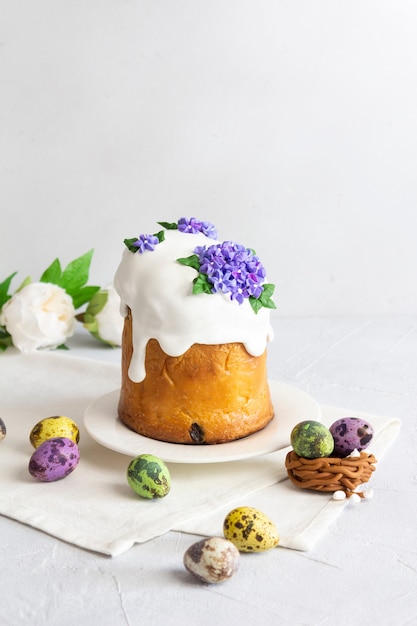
197 324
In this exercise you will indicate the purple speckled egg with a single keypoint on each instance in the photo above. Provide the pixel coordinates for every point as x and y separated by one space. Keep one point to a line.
349 434
54 459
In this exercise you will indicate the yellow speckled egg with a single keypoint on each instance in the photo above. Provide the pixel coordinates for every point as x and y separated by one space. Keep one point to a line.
53 427
250 530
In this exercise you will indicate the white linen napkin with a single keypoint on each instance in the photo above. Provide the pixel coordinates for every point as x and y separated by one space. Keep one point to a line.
94 508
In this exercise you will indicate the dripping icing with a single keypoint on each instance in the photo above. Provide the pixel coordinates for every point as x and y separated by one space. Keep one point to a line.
158 291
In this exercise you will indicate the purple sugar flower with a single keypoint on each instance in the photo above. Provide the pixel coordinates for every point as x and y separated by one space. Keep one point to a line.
211 259
193 225
254 286
222 281
238 294
231 268
145 242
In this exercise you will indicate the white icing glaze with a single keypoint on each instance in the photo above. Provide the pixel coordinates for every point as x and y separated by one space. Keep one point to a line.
158 290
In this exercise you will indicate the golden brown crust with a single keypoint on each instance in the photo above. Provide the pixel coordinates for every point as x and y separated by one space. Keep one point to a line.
211 394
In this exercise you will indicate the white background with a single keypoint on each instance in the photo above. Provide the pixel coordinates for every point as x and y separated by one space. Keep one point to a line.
291 125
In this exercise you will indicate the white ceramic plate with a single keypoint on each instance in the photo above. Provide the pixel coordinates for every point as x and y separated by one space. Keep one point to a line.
291 406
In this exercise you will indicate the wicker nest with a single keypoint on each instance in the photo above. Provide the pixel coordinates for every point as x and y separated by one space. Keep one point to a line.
330 473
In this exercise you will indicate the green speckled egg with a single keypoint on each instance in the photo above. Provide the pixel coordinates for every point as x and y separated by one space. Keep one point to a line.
149 477
312 440
250 530
53 427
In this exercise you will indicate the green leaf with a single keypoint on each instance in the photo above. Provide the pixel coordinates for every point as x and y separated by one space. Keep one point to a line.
97 303
268 289
264 299
5 339
202 284
4 288
83 295
75 275
190 261
168 225
26 282
255 303
128 243
266 295
160 236
89 321
52 274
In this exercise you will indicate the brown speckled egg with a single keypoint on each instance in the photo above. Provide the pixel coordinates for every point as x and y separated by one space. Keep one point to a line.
54 459
52 427
212 560
3 430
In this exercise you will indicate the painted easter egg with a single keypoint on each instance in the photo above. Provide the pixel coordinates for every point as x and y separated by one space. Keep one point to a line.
212 560
311 440
250 530
52 427
148 476
54 459
349 434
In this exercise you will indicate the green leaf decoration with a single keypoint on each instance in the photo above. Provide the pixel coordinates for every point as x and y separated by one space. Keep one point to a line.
169 225
4 289
83 295
255 303
75 275
52 274
160 236
129 244
202 284
265 299
268 289
190 261
266 296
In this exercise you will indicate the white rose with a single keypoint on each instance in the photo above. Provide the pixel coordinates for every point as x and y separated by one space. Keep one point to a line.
40 315
103 318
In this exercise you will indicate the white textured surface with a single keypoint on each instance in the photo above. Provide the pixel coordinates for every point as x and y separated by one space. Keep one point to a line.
363 569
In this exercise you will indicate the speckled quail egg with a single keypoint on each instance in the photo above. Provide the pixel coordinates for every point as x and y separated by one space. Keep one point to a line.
349 434
54 459
148 476
311 440
212 560
250 530
52 427
3 430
